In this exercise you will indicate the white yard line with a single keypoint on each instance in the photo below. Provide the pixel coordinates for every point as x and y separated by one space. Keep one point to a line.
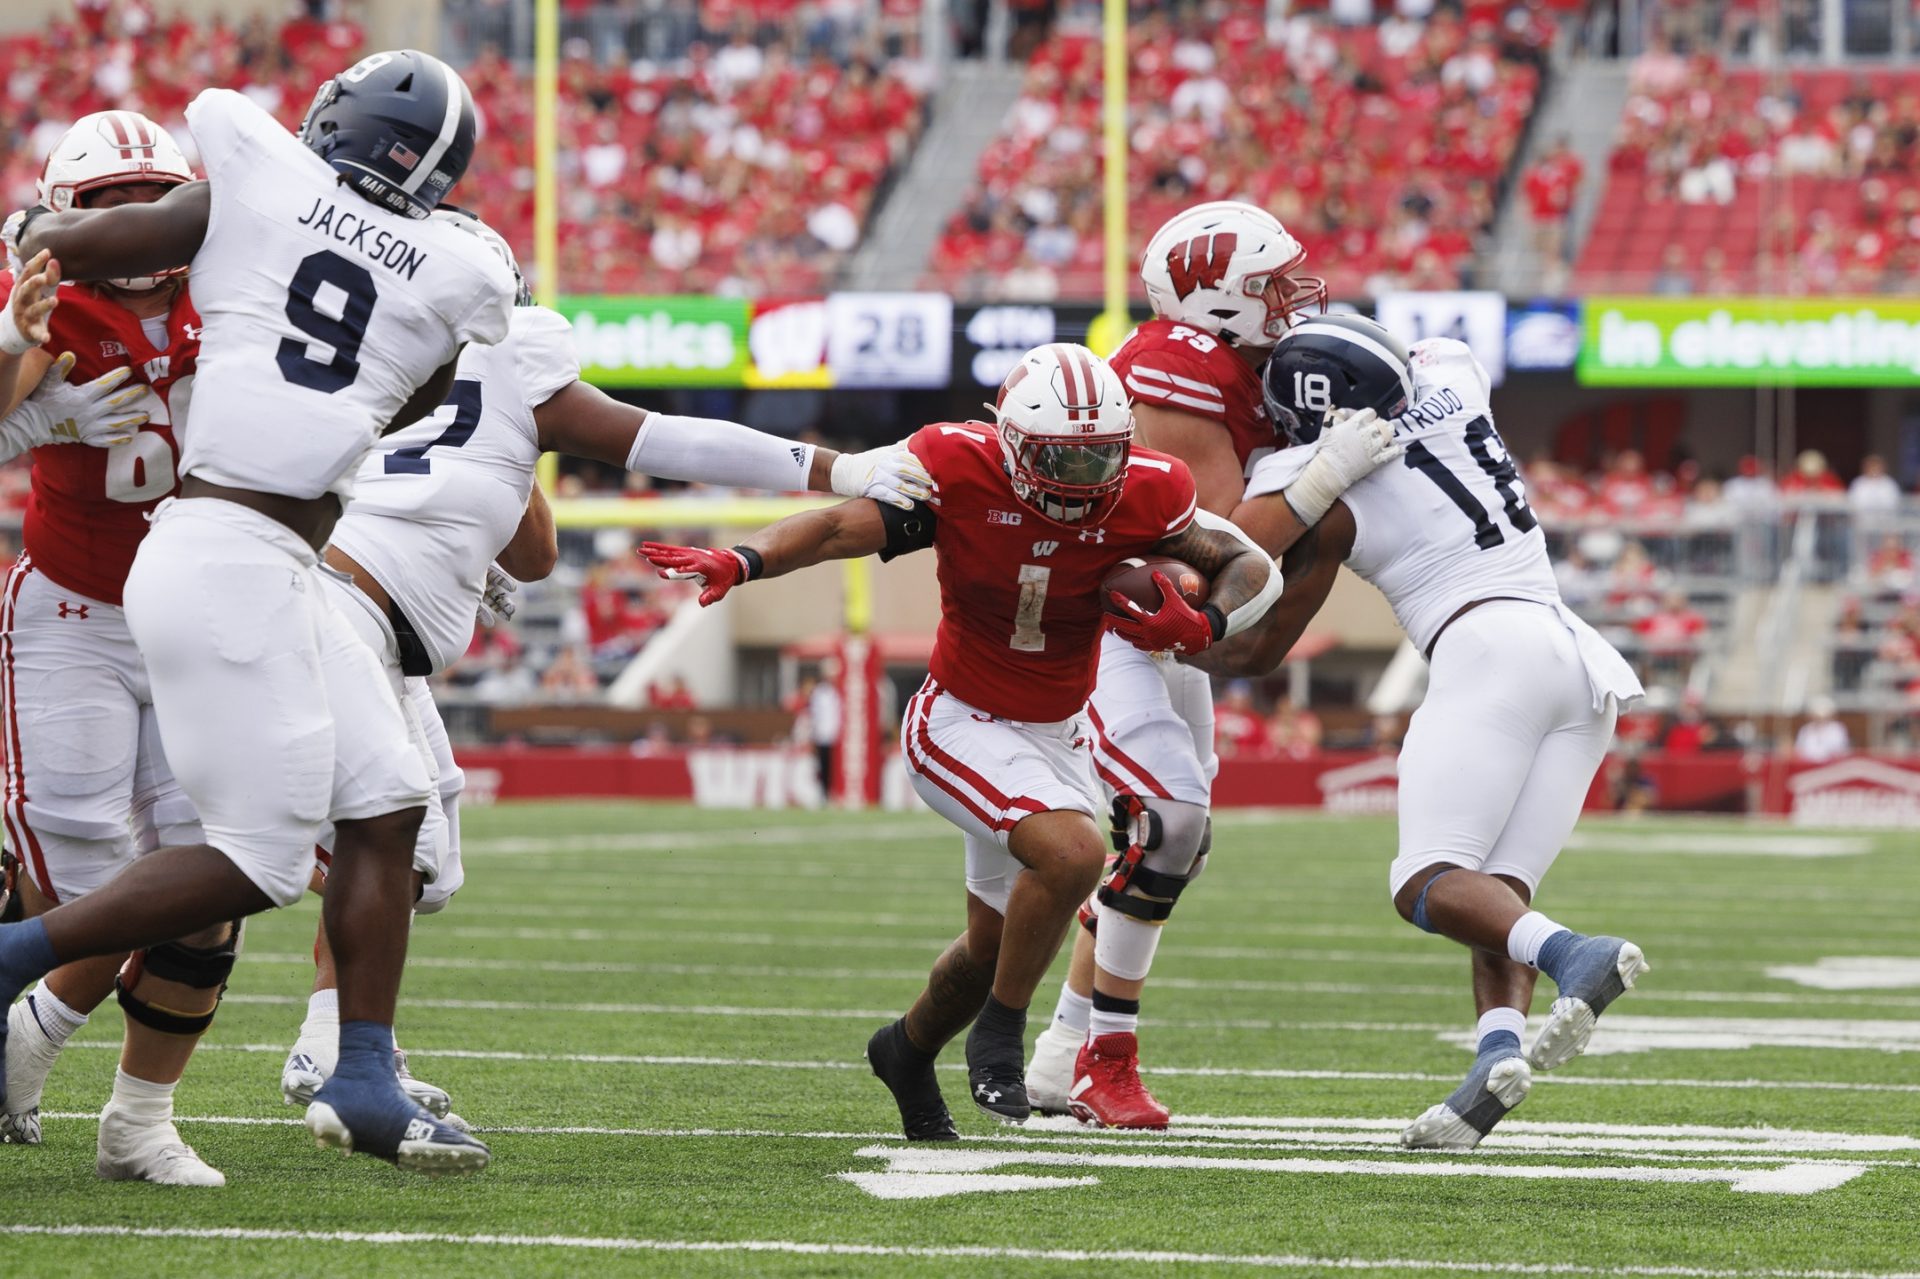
1801 1178
420 1053
1769 998
803 1248
671 841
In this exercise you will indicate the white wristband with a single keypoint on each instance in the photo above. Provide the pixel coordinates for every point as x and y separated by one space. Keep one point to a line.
12 340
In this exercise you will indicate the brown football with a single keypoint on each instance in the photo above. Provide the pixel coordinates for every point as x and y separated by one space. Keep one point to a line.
1134 579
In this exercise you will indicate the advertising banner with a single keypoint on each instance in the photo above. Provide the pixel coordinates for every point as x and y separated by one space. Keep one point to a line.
1635 341
854 340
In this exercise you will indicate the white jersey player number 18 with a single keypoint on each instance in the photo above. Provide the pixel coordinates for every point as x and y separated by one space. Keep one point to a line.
1482 441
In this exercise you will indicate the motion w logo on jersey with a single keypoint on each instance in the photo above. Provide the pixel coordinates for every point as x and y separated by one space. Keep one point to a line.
1201 262
1044 548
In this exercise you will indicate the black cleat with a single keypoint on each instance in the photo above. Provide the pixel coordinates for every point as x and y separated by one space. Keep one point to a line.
997 1073
908 1074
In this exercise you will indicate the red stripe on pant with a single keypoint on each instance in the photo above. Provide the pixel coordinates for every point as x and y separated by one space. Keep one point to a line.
1124 760
929 753
18 828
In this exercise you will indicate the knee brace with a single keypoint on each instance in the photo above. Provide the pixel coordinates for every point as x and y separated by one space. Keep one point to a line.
200 967
1166 841
1419 914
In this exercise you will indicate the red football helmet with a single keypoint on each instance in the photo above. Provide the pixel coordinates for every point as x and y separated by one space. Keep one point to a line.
1065 427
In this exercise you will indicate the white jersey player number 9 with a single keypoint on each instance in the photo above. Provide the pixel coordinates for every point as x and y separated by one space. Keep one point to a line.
330 300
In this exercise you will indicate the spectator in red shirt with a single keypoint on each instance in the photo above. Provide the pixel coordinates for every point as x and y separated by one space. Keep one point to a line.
1687 735
673 695
1674 627
1551 185
1626 487
1811 476
1237 730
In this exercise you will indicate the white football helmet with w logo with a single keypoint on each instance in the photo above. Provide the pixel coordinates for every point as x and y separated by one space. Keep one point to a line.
1227 267
1066 428
108 149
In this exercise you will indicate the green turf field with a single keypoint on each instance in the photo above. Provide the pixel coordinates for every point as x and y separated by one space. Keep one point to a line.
656 1015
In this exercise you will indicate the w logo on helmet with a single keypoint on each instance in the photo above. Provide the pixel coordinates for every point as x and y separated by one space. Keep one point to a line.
130 133
1201 263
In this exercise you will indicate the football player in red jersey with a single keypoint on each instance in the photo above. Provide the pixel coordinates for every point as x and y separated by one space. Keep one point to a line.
87 786
1221 280
1028 517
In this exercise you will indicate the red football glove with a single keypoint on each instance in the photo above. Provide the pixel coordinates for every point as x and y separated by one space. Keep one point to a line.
1177 628
715 568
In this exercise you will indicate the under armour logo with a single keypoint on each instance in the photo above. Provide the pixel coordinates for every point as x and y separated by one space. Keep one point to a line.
193 331
1044 548
1095 535
73 610
986 1093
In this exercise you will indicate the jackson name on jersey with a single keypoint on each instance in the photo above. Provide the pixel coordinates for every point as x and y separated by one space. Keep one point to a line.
324 312
435 503
1449 526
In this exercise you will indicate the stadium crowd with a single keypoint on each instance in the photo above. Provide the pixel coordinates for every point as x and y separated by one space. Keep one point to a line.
1739 181
1386 207
746 163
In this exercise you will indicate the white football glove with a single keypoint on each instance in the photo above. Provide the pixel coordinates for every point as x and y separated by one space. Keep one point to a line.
98 413
1352 446
496 599
890 474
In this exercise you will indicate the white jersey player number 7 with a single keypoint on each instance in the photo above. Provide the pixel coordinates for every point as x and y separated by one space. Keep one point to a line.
349 303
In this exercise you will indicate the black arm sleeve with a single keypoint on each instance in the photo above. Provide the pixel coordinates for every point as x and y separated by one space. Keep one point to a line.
907 531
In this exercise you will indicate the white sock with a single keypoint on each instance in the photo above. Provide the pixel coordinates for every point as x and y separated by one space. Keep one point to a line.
1073 1010
1102 1022
1530 932
1495 1020
323 1011
57 1021
142 1099
1123 945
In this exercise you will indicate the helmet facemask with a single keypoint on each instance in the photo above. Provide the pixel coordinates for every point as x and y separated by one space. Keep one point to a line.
1067 479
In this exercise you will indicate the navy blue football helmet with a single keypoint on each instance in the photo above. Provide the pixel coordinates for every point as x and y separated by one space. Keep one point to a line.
1328 362
398 126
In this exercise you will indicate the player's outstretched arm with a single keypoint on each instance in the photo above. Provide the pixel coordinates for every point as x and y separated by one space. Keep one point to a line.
582 421
126 240
534 549
1310 566
844 532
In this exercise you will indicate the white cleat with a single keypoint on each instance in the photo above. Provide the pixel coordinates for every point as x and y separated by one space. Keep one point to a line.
1570 1022
1459 1122
30 1058
131 1150
300 1078
425 1095
1050 1073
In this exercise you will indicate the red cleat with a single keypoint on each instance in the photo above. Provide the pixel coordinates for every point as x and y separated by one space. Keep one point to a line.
1107 1091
